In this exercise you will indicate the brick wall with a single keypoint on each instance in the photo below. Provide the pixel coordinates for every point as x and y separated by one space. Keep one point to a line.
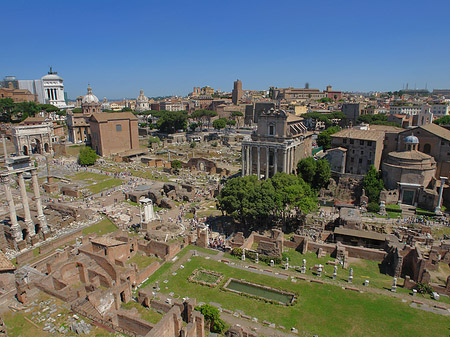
147 272
139 326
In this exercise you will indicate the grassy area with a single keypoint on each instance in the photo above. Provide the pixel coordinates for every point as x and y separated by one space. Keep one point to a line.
74 150
439 232
142 261
147 314
104 185
88 176
321 309
203 276
102 227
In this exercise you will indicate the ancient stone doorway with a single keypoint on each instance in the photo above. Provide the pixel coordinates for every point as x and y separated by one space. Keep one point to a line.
408 197
37 229
25 150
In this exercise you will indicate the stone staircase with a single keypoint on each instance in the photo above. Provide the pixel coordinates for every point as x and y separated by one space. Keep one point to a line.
86 308
408 210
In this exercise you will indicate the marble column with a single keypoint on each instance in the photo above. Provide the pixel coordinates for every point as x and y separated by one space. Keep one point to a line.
243 160
284 161
275 161
258 163
37 198
250 160
437 210
267 162
26 207
15 228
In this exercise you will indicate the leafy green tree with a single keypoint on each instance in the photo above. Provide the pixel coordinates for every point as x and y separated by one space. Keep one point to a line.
87 156
171 121
49 107
236 116
77 110
212 315
23 110
230 122
316 173
193 126
373 184
220 123
445 120
126 109
324 138
6 109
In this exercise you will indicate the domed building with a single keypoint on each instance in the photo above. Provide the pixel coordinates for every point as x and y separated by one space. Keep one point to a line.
142 103
78 123
412 173
53 89
90 103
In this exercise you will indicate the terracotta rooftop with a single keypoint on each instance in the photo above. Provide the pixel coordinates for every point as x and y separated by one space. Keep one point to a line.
360 234
437 130
106 241
5 264
411 155
111 116
360 134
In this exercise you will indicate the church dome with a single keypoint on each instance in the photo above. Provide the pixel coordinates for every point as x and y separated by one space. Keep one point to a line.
411 140
90 97
141 97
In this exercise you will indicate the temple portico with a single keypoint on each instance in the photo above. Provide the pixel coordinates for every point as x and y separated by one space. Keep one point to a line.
18 166
279 142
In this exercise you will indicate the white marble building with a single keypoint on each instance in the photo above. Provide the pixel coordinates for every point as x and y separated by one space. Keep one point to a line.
142 103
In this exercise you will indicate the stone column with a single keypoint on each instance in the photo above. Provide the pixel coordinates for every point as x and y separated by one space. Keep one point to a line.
267 162
284 161
26 207
250 160
258 163
37 197
243 160
275 161
15 228
437 210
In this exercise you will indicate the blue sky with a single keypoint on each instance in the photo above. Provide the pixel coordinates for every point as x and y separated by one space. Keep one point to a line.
167 47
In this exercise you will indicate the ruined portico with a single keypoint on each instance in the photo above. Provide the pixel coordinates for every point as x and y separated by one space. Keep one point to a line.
18 166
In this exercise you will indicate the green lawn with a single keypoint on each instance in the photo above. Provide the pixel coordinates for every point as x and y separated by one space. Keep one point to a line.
322 309
142 261
89 176
102 227
148 314
104 185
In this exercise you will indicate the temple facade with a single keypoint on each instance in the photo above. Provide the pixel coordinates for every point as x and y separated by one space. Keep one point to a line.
277 145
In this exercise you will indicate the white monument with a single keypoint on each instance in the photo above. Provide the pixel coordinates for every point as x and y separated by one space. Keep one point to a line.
147 212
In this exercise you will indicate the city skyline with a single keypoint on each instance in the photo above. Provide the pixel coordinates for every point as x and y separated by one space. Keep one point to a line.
120 50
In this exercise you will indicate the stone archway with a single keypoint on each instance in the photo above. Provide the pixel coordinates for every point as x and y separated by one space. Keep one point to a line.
25 150
25 234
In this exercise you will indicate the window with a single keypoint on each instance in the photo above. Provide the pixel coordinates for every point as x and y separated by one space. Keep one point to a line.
344 141
352 160
369 143
118 127
362 152
351 141
271 130
361 142
360 160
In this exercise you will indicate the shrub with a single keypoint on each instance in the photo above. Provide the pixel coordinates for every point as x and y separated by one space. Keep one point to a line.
423 288
87 156
192 145
373 207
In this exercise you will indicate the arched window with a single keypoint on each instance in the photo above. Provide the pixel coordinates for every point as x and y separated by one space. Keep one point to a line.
427 148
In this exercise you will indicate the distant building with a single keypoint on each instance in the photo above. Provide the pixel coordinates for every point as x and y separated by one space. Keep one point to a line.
142 103
358 150
113 133
405 109
17 95
279 142
236 94
78 123
352 111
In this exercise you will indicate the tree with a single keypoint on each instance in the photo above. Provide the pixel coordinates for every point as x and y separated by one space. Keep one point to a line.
126 109
49 107
220 123
193 126
324 138
23 110
77 110
316 173
212 315
152 140
171 121
236 116
445 120
373 184
87 156
176 165
6 109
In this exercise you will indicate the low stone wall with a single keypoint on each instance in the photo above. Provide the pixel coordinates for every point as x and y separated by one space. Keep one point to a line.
25 257
47 247
147 272
139 326
365 253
